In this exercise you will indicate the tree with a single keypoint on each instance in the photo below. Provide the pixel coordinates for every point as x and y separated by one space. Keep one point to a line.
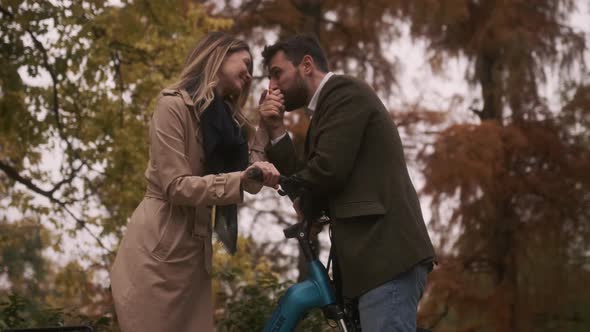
503 188
78 79
509 187
355 34
517 230
41 292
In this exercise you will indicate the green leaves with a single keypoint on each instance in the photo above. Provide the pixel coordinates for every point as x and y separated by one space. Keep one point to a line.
78 80
17 311
92 74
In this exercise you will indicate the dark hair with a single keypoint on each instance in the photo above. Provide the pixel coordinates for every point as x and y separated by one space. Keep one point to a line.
295 48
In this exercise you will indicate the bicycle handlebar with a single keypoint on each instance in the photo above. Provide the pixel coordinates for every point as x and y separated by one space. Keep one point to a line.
295 187
291 186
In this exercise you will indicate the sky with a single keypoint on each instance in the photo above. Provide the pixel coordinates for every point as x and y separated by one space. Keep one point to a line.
417 82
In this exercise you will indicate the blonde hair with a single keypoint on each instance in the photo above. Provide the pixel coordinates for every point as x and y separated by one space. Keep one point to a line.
199 74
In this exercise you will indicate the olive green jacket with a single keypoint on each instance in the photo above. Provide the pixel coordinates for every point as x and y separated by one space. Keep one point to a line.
354 159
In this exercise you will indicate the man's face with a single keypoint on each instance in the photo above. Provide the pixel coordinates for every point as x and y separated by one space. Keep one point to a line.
286 77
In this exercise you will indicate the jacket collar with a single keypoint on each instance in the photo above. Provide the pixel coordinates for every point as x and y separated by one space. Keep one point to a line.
186 98
313 103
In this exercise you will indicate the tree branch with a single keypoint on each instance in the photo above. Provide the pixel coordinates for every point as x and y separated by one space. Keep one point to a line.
14 174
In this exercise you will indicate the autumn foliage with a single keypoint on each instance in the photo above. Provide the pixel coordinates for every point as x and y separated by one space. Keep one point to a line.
505 177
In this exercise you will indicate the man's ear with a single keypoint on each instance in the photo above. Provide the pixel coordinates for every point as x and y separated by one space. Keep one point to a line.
308 64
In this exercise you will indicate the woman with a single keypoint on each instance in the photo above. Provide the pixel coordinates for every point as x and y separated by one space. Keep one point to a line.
161 278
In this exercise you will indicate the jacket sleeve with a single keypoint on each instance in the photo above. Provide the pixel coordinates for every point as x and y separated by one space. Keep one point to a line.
284 156
168 156
338 136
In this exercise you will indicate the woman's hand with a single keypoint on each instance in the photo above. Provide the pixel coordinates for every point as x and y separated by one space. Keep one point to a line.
270 174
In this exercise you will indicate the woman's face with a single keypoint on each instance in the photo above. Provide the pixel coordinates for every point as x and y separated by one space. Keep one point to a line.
234 75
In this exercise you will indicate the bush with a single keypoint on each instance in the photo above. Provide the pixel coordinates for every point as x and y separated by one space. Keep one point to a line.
19 312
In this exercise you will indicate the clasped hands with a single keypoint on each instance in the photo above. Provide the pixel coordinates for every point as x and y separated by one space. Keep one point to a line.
272 110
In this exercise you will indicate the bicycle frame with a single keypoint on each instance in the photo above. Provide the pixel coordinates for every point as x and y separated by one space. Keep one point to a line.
314 292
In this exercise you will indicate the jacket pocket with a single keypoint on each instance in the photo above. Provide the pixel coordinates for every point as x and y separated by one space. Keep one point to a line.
174 242
357 209
166 241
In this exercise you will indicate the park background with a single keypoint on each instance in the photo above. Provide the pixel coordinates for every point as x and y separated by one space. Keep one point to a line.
492 99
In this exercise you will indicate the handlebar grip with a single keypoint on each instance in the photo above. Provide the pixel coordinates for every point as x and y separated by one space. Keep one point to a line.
255 174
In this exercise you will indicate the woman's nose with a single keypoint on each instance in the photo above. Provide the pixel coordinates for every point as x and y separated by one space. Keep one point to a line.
248 77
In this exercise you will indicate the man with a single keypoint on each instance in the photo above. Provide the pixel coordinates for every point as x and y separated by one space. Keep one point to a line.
354 160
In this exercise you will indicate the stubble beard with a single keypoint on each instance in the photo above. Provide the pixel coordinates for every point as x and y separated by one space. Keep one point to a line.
296 97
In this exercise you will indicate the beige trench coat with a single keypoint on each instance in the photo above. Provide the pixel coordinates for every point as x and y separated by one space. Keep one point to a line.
161 278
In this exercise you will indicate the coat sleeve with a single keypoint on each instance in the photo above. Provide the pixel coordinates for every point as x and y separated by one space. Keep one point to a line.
168 156
338 137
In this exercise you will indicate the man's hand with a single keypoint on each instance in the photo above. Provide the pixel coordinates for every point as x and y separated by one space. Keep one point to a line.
272 110
316 227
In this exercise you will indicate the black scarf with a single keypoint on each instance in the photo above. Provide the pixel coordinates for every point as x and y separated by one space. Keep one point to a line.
226 150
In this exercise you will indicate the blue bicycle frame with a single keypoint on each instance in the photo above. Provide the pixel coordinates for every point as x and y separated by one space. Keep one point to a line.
314 292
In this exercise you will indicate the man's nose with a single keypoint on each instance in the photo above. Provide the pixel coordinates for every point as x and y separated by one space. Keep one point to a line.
272 85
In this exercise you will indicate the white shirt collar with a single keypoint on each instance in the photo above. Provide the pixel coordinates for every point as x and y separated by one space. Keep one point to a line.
313 103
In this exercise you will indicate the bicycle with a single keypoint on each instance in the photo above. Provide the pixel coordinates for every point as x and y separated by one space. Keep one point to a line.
317 290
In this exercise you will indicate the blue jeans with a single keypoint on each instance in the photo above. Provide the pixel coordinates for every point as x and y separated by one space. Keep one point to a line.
392 307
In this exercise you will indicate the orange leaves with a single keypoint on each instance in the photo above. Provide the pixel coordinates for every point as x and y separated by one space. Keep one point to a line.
466 157
488 160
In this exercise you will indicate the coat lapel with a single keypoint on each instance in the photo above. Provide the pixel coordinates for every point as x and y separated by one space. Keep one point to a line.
308 137
315 119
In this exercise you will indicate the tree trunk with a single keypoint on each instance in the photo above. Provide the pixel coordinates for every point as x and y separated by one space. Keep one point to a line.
488 74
